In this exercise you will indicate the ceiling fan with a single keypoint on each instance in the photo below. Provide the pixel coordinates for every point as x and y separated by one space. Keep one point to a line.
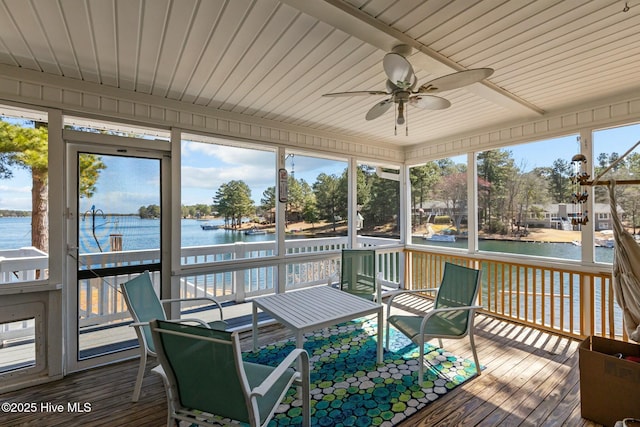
402 82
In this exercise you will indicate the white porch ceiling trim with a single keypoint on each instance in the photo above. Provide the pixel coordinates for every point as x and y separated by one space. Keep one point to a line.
88 99
357 23
30 88
609 114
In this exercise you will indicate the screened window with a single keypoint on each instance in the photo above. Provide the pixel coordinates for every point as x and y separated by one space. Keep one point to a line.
439 202
24 225
317 197
378 201
525 199
609 145
223 187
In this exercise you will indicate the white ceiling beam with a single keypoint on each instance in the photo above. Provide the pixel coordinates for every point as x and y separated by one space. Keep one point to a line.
357 23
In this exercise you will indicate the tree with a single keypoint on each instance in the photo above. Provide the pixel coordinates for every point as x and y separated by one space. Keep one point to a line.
383 202
27 148
149 212
453 190
268 202
311 214
300 194
328 196
233 201
559 182
423 179
495 167
532 190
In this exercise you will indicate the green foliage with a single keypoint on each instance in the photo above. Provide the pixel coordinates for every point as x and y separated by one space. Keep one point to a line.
300 196
329 196
268 200
383 201
196 211
423 179
233 201
28 148
23 147
149 212
90 168
559 183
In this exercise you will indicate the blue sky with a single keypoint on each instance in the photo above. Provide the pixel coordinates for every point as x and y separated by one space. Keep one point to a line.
207 166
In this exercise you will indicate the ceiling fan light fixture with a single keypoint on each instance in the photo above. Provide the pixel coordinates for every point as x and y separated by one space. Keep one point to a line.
400 119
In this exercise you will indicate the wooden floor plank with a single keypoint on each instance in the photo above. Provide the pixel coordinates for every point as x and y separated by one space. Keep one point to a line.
530 379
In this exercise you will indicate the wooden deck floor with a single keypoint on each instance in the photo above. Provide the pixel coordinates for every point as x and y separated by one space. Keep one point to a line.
531 379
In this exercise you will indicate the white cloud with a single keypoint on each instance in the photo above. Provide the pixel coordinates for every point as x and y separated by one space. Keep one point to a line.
15 197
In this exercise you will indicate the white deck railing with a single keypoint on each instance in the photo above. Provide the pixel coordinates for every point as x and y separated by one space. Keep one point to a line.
231 272
22 265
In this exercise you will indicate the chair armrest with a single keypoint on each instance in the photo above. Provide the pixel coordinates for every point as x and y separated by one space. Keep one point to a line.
291 358
191 320
138 324
388 283
210 299
392 294
185 320
411 291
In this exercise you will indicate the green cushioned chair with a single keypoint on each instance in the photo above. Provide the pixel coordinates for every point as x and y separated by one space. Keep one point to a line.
144 305
358 273
207 381
452 315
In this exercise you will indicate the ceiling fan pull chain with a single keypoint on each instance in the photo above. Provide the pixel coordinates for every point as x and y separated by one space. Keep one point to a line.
406 122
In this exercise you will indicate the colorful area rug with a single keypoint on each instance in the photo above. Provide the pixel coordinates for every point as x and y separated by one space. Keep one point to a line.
349 389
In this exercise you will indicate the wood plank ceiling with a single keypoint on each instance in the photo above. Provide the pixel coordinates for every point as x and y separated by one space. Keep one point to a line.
274 59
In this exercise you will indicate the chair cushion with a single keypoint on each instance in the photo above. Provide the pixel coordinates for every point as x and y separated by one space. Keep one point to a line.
256 373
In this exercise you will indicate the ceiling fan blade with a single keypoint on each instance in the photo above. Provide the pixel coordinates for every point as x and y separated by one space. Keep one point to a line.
379 109
357 93
429 102
455 80
398 70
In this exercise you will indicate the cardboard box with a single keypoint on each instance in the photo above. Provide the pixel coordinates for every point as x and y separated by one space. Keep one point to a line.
609 386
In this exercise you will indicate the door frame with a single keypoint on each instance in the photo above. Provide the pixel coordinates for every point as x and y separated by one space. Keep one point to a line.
93 143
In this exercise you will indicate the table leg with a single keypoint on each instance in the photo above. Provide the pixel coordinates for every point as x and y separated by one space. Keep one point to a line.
299 339
254 320
380 335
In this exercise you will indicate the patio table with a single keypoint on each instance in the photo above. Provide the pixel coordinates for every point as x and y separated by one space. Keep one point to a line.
314 308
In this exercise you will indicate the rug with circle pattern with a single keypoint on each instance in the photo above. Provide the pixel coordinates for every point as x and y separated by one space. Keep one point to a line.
348 388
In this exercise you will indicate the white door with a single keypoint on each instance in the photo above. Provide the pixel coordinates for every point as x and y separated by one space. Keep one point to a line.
115 232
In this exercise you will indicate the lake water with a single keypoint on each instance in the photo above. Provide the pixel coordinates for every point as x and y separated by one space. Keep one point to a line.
551 250
144 234
137 233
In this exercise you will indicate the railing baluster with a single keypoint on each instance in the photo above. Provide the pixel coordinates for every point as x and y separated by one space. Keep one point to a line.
546 296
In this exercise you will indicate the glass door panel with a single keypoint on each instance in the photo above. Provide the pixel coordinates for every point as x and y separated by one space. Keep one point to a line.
118 237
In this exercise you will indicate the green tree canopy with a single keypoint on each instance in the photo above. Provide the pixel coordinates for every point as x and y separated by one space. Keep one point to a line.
27 147
328 194
233 201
